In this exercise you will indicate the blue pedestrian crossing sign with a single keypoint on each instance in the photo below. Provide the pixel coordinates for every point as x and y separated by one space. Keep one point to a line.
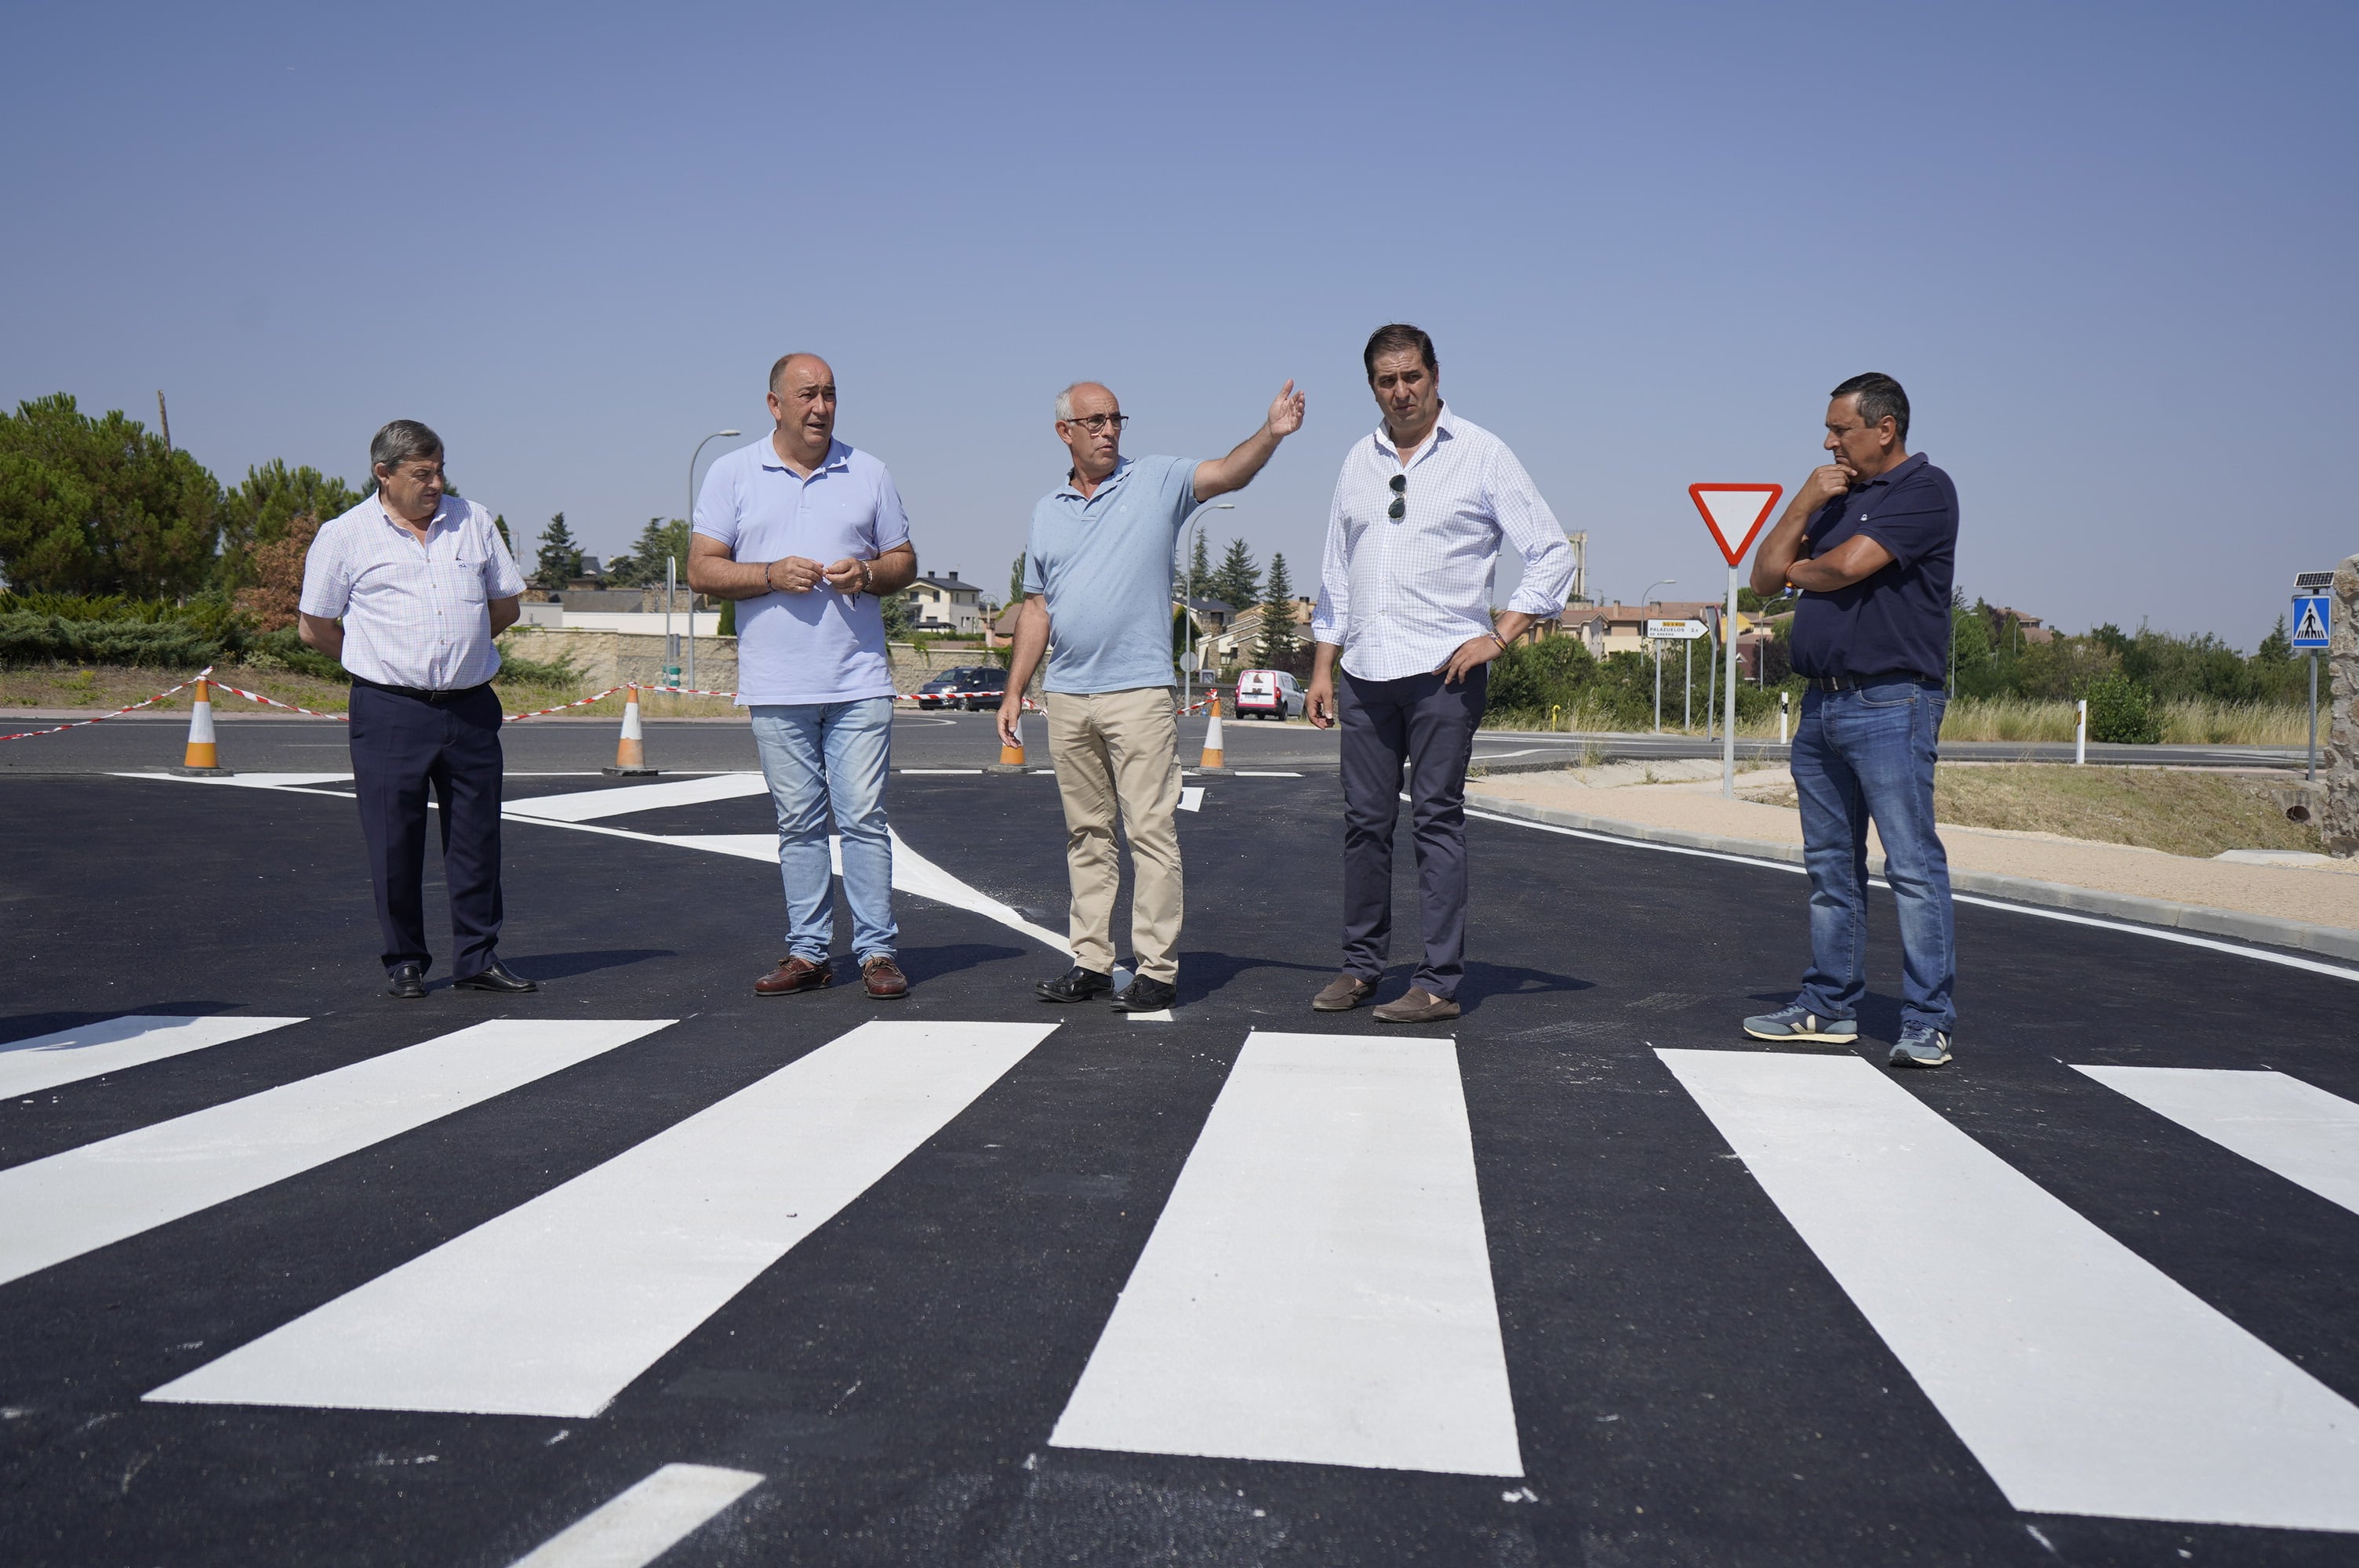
2313 618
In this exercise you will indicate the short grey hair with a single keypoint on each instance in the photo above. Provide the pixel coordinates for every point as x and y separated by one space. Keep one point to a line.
1065 398
400 440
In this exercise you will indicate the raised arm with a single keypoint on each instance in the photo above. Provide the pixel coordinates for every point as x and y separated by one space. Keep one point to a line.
1218 476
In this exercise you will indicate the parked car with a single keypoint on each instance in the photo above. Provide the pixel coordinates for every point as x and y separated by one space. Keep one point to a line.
973 686
1269 693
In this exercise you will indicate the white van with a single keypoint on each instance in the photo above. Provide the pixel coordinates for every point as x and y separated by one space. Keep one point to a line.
1269 693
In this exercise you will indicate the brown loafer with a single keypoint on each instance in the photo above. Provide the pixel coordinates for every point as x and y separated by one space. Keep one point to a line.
1344 993
884 979
1420 1006
793 974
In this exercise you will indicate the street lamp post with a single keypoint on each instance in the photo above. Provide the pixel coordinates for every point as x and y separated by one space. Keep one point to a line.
1187 605
716 434
1665 582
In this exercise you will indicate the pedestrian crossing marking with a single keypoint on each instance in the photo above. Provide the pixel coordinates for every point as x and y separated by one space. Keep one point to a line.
91 1050
554 1307
2279 1123
638 1525
2084 1379
81 1199
589 805
1317 1287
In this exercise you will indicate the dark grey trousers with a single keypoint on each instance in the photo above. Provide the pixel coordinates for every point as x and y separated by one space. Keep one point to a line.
1419 724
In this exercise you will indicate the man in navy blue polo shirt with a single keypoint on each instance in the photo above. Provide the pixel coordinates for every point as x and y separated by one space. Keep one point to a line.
1871 541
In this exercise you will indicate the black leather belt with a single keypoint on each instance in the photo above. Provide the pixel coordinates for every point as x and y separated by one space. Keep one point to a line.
1853 683
421 693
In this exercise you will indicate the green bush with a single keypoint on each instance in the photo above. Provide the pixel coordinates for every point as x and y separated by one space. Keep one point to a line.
2124 712
26 638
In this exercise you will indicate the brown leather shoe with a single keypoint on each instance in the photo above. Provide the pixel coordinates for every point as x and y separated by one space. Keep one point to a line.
1344 993
1420 1006
884 979
793 974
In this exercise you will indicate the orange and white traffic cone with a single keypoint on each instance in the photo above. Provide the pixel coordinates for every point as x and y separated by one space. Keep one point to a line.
1214 755
203 759
631 750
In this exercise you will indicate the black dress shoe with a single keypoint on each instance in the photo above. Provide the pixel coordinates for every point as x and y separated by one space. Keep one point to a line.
495 977
406 981
1147 996
1076 984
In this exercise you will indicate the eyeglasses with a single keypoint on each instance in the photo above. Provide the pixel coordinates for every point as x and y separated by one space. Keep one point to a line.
1400 508
1096 422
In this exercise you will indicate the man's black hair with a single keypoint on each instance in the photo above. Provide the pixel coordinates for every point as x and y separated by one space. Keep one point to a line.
1878 395
1392 339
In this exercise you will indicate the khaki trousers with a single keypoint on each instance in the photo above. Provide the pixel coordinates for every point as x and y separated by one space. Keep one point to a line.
1120 749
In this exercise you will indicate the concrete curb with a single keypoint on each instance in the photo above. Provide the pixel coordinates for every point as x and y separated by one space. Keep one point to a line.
2329 941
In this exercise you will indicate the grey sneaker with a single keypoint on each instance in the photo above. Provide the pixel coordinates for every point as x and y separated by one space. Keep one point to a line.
1919 1047
1795 1021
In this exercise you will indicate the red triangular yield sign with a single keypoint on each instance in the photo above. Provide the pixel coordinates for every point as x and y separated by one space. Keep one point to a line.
1735 513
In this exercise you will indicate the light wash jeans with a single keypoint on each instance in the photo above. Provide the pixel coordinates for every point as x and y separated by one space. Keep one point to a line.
1862 755
814 756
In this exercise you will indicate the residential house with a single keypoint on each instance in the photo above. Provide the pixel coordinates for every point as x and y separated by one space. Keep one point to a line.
947 604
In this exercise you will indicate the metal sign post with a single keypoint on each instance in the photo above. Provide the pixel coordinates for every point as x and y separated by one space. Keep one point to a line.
2313 627
1734 513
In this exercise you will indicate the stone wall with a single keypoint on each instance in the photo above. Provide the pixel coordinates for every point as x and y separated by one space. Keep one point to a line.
613 658
2339 763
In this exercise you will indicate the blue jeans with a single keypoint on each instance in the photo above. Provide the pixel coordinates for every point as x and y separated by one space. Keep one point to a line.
821 755
1868 755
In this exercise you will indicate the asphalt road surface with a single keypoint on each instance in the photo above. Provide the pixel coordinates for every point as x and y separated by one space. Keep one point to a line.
644 1267
939 741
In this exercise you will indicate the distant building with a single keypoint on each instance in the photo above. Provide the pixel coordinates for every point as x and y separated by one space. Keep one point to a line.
1621 628
947 604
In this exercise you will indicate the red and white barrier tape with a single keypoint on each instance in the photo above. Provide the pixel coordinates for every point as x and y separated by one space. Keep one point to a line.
258 696
84 723
578 702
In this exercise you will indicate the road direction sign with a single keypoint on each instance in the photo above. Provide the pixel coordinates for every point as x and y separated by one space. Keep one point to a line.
1678 631
2306 583
1734 513
2313 618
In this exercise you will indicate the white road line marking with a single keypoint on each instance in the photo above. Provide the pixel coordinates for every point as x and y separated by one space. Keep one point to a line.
68 1056
1317 1288
2279 1123
251 781
588 805
2083 1379
634 1527
1259 773
1191 797
2156 933
68 1204
1162 1016
555 1306
941 772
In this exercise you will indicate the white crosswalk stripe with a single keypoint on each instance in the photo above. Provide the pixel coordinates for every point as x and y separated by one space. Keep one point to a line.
1317 1287
68 1204
2277 1122
2084 1379
592 805
554 1307
71 1055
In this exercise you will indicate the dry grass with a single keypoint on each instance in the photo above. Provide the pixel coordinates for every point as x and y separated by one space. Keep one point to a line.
2197 722
102 688
2180 811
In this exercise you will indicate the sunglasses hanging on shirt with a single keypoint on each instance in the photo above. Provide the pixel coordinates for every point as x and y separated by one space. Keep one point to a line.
1400 508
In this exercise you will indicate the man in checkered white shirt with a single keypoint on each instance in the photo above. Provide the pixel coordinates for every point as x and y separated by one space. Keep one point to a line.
408 590
1420 511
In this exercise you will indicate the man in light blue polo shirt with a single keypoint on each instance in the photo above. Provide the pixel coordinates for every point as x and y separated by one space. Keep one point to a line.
810 660
1097 599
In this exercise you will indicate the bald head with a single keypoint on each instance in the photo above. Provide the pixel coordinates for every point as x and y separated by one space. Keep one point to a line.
1089 421
801 364
802 402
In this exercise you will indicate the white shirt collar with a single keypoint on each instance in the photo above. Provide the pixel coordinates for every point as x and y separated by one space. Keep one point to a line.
1443 425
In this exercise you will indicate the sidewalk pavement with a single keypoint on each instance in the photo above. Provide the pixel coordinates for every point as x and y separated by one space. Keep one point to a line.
2178 888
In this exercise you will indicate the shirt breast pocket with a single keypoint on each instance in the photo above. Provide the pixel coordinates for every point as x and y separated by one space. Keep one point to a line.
464 581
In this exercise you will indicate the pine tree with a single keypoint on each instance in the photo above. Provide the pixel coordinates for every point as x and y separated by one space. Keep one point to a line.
1237 582
559 557
643 565
1278 645
1199 568
1015 580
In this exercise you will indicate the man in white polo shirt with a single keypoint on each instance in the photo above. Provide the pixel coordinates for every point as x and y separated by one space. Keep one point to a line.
810 660
422 582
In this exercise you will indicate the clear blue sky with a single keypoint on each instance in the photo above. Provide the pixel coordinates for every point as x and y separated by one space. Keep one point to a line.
2107 248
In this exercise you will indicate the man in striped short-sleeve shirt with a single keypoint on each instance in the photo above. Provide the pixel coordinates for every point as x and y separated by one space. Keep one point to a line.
1422 510
407 590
